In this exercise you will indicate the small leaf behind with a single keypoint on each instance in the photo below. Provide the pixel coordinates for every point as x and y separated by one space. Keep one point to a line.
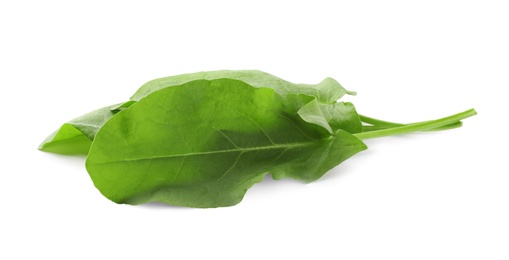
75 136
327 91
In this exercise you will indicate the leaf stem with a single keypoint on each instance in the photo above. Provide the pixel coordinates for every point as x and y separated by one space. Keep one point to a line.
369 128
378 122
422 126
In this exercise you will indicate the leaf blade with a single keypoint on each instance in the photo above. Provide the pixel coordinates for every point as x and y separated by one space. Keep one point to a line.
203 144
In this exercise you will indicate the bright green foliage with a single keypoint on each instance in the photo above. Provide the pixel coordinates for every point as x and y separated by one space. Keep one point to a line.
327 91
67 140
203 144
203 139
342 115
75 136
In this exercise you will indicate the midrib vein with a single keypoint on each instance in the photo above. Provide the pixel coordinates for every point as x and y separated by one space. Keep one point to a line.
241 150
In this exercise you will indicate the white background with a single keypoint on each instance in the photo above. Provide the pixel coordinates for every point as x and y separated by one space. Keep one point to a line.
422 196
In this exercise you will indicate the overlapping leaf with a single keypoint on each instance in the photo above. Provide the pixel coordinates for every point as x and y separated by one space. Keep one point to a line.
203 139
75 136
204 143
71 138
327 91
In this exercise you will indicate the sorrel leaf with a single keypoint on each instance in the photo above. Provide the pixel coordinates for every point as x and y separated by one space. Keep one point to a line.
203 139
68 140
204 143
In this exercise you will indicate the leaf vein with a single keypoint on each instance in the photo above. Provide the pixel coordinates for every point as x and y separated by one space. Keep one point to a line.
240 150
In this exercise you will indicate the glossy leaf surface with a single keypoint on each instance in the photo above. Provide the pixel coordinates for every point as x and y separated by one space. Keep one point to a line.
204 143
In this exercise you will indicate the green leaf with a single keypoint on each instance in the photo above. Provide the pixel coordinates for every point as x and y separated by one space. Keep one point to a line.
312 113
333 117
342 115
327 91
75 136
71 141
66 140
204 143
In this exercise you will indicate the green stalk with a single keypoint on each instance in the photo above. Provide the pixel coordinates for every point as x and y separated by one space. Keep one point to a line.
417 126
378 122
369 128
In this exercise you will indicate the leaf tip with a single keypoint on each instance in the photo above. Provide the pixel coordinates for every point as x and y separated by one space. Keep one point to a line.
351 93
